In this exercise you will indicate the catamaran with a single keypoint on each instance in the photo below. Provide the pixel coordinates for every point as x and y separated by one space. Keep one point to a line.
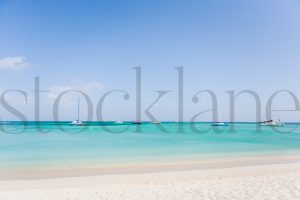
77 122
271 123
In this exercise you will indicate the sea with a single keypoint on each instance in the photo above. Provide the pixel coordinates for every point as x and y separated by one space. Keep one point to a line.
51 145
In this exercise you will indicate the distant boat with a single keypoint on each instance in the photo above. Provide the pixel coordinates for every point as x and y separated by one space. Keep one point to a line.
77 122
220 124
271 123
156 122
136 122
119 122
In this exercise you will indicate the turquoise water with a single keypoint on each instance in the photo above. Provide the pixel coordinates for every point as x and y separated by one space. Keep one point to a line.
68 146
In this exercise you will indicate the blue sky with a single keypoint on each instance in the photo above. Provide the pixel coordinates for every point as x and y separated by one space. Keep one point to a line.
93 46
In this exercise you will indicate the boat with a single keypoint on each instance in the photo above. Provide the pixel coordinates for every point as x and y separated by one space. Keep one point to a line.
220 124
77 122
136 122
156 122
119 122
271 123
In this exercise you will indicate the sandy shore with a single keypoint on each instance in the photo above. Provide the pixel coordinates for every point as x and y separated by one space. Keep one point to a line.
261 181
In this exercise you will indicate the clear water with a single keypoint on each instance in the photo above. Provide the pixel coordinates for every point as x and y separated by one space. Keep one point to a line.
94 145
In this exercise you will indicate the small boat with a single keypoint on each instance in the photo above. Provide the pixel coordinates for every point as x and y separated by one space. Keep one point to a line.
156 122
119 122
77 122
271 123
136 122
220 124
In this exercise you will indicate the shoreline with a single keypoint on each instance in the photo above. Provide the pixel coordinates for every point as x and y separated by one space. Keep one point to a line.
146 168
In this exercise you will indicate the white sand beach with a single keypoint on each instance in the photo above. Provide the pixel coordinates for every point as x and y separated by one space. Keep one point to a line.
261 181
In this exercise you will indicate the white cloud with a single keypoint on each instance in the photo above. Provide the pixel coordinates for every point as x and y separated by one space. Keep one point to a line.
68 103
16 63
90 89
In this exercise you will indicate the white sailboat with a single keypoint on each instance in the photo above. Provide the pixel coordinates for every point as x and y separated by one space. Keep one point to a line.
220 123
77 122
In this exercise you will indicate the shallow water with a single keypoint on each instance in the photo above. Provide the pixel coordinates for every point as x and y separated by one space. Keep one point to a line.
98 144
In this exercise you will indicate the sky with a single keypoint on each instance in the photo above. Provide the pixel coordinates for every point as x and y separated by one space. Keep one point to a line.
94 46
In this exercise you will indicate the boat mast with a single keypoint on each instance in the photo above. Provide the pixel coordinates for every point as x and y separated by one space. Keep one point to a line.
78 109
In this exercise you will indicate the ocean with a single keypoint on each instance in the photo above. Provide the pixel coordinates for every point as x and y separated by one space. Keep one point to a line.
108 143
